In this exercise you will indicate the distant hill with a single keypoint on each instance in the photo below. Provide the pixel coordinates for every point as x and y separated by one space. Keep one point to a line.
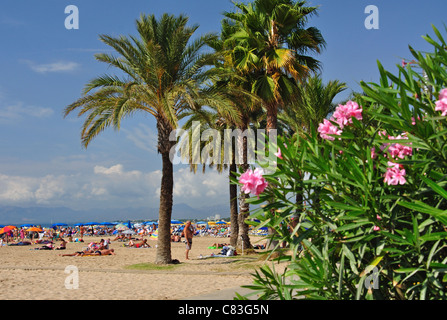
48 215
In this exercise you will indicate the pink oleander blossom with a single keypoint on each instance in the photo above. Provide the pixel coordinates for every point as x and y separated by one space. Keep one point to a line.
344 113
441 104
394 174
326 128
342 116
396 149
253 181
278 154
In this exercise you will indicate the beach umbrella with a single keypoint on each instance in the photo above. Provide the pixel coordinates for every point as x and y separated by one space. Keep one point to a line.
154 235
107 224
176 222
79 224
91 223
59 225
150 222
129 225
121 227
7 229
35 229
27 225
202 222
221 222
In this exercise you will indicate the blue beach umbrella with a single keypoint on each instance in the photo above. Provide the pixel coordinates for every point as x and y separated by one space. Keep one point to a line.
107 224
60 225
176 222
91 223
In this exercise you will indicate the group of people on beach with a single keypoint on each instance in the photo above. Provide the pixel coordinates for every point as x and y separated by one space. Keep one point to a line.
102 248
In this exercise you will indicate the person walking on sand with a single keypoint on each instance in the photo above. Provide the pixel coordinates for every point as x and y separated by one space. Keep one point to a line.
188 232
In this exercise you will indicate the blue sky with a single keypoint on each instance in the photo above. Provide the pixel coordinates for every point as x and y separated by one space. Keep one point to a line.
44 67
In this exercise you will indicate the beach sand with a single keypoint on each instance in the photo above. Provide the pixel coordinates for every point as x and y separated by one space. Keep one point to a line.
28 274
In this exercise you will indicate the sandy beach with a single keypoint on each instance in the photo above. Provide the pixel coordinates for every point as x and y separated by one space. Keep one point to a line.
28 274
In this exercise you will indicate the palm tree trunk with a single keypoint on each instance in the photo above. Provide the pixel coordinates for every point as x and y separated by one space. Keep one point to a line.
163 255
233 207
272 117
244 208
233 201
272 123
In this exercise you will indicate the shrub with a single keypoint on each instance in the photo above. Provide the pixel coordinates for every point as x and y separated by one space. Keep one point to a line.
373 177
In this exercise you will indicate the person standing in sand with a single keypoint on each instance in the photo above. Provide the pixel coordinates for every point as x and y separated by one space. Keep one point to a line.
188 232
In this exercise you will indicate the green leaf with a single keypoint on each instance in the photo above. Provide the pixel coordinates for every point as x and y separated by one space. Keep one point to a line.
438 189
407 270
352 226
419 206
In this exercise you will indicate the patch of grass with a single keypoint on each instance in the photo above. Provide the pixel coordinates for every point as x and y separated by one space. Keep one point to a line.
151 266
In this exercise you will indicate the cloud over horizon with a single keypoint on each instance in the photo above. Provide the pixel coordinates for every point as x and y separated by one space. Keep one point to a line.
112 186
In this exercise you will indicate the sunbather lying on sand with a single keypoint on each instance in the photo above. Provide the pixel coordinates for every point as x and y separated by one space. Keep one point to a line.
21 243
107 252
78 253
142 244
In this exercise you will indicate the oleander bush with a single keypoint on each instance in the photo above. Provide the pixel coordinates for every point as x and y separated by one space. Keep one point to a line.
372 223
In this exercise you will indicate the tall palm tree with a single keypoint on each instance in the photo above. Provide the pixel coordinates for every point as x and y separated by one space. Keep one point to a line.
271 43
315 101
164 73
210 119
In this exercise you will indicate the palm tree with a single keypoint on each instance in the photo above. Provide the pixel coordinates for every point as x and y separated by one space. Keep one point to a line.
210 119
271 43
313 105
163 76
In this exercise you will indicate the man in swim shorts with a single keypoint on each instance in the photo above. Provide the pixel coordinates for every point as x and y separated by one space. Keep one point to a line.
188 232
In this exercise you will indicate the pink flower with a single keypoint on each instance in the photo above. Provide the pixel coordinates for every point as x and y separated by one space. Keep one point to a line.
394 174
278 154
373 153
441 104
342 116
376 228
378 217
397 149
253 181
344 113
326 128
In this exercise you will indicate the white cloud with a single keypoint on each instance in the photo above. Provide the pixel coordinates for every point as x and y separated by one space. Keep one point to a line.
19 110
209 187
59 66
112 186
